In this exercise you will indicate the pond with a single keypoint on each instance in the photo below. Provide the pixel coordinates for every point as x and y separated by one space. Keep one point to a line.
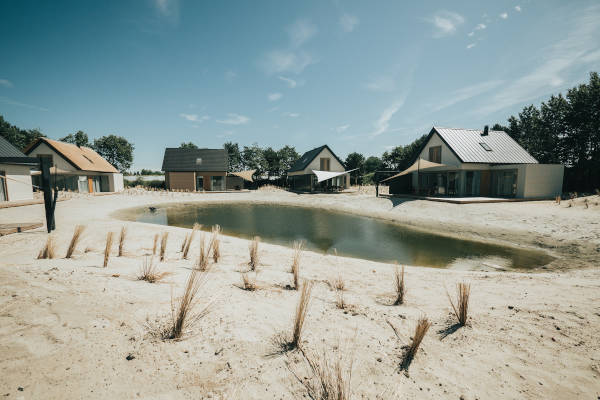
340 233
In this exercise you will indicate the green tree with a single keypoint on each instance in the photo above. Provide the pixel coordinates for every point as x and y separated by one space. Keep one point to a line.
116 150
287 157
355 160
20 138
79 138
272 163
188 145
253 158
234 156
372 164
401 157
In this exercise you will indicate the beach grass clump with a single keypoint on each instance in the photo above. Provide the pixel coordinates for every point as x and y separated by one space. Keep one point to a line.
420 330
155 244
296 264
202 262
122 240
216 243
186 249
300 316
49 250
340 302
184 243
338 284
254 258
149 271
183 315
461 307
248 283
163 245
75 240
108 247
399 286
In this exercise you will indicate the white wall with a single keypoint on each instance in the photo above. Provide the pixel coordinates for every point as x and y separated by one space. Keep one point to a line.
115 182
315 164
448 157
18 183
59 161
543 180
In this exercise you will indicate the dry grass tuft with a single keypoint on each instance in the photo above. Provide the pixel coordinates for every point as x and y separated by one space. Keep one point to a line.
163 245
329 377
49 250
399 286
186 249
296 264
339 300
184 243
75 240
155 245
216 243
461 308
248 283
421 329
122 240
202 262
149 272
300 317
182 316
253 247
338 284
108 247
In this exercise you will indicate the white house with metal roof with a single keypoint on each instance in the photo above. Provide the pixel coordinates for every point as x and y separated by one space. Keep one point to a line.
318 169
470 162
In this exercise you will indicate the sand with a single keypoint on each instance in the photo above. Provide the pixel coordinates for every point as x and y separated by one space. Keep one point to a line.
70 329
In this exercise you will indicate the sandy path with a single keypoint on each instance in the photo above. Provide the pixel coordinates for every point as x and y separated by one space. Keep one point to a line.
67 326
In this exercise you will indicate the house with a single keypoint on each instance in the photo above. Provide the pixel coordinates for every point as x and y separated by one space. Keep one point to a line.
318 169
15 173
196 169
468 162
78 169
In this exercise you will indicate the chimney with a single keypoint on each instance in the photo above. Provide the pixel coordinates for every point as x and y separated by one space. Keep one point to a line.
486 130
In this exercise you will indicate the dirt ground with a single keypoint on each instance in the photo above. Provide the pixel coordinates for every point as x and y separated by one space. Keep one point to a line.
71 329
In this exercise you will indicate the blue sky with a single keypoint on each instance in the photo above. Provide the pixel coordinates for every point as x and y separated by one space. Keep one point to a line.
358 75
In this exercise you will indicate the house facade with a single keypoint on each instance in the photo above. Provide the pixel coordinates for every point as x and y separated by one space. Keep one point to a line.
196 169
15 173
301 175
482 163
74 168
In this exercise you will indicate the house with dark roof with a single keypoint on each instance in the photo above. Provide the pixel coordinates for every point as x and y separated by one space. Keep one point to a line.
471 162
74 168
196 169
15 173
317 169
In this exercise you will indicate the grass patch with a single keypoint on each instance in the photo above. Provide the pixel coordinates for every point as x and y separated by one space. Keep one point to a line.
399 285
107 247
248 283
254 258
75 240
163 245
285 343
216 243
420 330
202 262
49 250
186 250
461 307
149 272
296 264
155 244
122 240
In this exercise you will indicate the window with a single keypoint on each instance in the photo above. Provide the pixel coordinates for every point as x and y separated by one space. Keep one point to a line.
198 161
485 146
324 164
435 154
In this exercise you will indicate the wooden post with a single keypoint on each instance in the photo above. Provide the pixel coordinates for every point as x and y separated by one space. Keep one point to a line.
48 203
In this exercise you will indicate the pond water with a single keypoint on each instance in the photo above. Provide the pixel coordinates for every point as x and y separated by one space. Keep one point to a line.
344 234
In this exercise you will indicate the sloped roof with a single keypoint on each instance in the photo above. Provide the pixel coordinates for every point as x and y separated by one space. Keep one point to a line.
9 154
82 158
177 159
467 146
310 155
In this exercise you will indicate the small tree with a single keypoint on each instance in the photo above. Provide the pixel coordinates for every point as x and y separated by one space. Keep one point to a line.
79 138
188 145
116 150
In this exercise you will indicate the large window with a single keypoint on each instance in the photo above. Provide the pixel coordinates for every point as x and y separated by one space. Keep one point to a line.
505 183
435 154
217 183
325 164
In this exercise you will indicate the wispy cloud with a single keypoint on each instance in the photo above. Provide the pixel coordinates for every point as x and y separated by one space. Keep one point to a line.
291 114
194 117
471 45
578 49
480 27
446 23
234 119
290 82
6 83
342 128
518 8
168 9
465 93
11 102
503 15
382 84
274 96
383 123
348 22
301 31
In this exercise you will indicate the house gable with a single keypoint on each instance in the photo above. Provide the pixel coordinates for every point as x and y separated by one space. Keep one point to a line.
311 160
448 157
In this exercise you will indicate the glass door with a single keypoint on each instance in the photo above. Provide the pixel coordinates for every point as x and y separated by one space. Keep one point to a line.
199 183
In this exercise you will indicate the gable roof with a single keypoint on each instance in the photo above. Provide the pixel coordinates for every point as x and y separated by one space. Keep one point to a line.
466 144
82 158
177 159
310 155
9 154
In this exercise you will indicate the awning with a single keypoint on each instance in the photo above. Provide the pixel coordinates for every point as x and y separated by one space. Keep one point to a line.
246 175
324 175
420 164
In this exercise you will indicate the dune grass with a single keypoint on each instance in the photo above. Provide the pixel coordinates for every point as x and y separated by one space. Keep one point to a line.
461 307
254 257
183 315
108 247
163 245
75 240
149 271
399 286
216 243
420 330
300 316
155 244
186 249
248 283
184 243
122 240
202 262
49 250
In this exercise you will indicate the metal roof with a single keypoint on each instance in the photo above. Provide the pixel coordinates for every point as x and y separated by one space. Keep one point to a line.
182 160
469 146
9 154
310 155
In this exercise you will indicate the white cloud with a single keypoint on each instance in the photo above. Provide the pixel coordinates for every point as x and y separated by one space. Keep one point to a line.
291 114
470 34
465 93
301 31
290 82
274 96
342 128
6 83
194 117
383 123
504 15
518 8
471 45
578 49
278 61
348 22
382 84
234 119
446 23
480 27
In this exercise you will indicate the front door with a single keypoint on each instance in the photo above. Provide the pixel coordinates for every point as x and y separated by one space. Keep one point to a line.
484 188
199 183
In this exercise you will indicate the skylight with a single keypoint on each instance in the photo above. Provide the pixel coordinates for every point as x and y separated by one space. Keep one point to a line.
485 146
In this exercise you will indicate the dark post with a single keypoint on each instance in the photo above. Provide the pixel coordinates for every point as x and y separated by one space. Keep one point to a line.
48 203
